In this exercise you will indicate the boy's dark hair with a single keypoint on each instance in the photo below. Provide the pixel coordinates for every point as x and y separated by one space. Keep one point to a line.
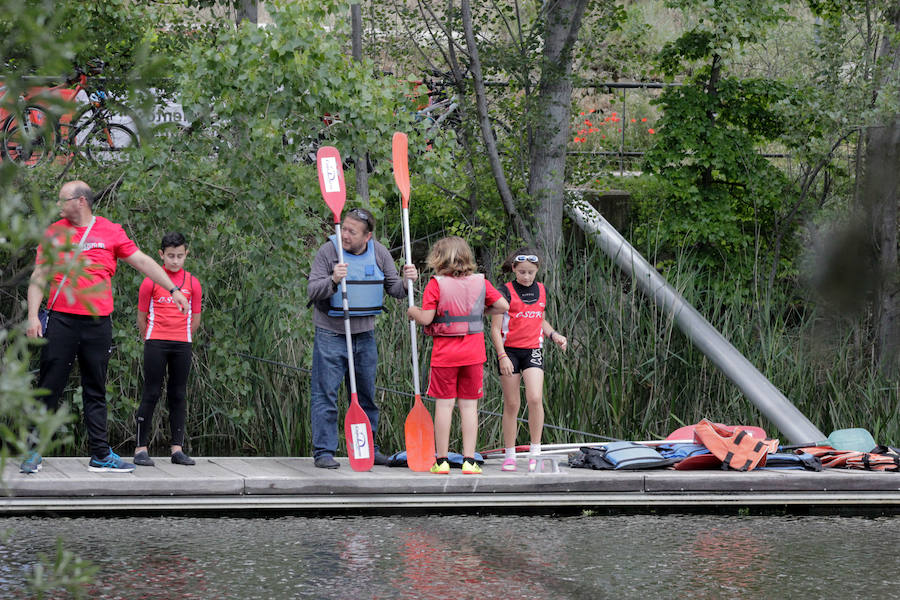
173 239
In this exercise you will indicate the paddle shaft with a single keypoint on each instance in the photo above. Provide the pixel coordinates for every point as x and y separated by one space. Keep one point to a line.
350 366
407 248
554 448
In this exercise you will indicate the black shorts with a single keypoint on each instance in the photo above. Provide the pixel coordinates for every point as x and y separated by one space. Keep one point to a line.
524 358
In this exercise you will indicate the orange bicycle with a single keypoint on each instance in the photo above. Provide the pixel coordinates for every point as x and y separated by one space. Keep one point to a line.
43 128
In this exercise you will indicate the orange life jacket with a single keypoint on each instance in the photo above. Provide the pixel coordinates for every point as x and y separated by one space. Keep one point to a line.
831 458
884 460
736 448
460 307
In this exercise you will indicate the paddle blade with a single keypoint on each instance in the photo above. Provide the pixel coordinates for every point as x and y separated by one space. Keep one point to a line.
399 146
331 179
358 433
854 440
419 429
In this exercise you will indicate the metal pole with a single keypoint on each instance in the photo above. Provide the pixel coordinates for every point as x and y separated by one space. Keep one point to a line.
622 141
754 385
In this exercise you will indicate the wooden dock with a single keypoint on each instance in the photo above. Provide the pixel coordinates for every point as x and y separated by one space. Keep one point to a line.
294 484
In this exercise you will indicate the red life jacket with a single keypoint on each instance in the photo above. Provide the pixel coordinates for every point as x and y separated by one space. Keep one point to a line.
737 449
460 307
522 322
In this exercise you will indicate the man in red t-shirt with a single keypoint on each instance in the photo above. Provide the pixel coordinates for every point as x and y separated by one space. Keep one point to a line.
80 303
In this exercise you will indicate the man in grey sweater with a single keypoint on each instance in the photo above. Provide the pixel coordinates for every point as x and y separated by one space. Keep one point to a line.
370 272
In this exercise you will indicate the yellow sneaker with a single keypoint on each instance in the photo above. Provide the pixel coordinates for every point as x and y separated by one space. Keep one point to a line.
471 468
440 468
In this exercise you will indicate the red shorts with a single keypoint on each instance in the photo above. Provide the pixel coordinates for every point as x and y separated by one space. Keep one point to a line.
464 383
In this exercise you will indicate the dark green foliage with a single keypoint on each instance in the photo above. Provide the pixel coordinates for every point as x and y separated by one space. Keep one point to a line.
724 201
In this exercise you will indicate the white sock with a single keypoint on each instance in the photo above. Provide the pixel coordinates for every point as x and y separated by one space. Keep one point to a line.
534 450
510 453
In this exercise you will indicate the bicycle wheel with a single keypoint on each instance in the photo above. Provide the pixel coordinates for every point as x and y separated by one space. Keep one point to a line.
104 142
29 142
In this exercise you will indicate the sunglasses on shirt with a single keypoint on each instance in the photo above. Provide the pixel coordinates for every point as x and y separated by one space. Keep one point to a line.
532 258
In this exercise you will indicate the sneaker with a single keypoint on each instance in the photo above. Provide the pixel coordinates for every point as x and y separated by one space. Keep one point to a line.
440 468
471 468
110 464
326 461
509 465
142 459
532 465
32 463
180 458
381 459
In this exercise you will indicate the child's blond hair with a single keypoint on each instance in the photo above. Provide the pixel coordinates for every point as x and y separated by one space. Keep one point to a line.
452 256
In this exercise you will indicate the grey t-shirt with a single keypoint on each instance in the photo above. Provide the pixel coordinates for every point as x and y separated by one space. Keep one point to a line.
321 288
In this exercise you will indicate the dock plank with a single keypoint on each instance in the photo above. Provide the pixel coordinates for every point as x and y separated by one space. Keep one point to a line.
294 483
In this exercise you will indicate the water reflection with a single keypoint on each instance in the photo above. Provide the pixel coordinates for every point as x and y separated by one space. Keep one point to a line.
463 556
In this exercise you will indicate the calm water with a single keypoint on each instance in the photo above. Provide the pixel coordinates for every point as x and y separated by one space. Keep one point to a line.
484 557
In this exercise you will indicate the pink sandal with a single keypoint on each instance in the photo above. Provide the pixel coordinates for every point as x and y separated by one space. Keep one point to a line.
509 465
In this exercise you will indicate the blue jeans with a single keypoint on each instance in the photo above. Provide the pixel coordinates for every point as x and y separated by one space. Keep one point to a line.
329 369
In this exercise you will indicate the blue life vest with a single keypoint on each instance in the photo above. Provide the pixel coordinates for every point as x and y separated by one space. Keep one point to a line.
681 451
365 284
620 455
784 460
398 459
631 455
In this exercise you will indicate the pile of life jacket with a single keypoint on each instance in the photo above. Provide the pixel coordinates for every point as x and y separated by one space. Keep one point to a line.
727 447
880 458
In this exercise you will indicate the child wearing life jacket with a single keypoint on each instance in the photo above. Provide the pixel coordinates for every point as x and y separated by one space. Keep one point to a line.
453 305
519 337
167 335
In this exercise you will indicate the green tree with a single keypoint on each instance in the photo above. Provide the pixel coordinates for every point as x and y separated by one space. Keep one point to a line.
723 198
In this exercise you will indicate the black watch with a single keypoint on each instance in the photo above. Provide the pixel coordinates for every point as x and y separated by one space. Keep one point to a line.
174 289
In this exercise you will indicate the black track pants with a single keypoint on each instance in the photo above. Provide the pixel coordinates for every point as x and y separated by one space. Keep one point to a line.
160 356
90 340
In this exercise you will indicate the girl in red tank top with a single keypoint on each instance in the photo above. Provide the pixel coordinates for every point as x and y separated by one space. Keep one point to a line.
519 333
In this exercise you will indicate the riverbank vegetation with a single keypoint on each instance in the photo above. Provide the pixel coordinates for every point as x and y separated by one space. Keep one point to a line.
789 256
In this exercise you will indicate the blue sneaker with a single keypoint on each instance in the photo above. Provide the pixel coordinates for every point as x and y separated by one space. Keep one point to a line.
32 463
111 464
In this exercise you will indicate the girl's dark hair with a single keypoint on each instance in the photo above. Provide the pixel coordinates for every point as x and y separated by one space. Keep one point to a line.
510 261
172 239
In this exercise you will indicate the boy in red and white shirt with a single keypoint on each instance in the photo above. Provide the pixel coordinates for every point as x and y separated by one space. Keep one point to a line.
168 335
